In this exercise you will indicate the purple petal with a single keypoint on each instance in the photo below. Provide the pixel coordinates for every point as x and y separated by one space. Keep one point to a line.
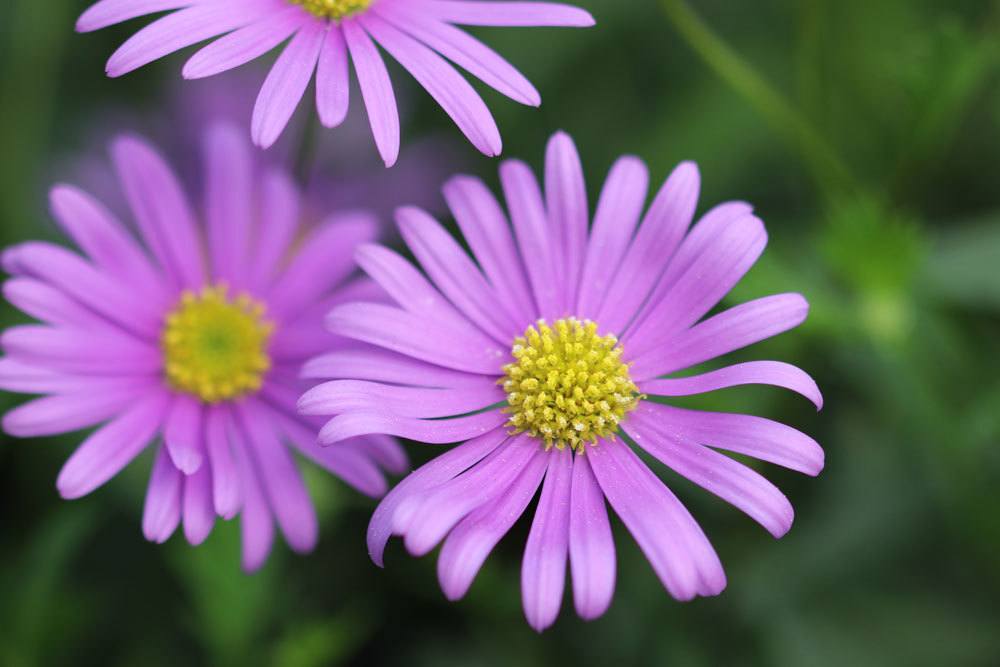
566 203
376 90
59 349
105 240
449 88
255 518
510 14
468 545
220 440
52 306
63 413
746 434
199 512
406 285
709 278
341 396
465 51
726 332
458 278
161 209
591 545
436 431
112 447
543 571
434 513
714 472
618 212
109 12
101 292
286 83
245 44
179 30
485 227
279 211
671 539
326 258
439 470
527 211
162 510
774 373
229 187
654 244
282 480
383 366
182 434
333 86
420 337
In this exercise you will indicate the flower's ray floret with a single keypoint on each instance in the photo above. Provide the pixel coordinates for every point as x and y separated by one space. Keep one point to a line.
332 9
568 386
216 347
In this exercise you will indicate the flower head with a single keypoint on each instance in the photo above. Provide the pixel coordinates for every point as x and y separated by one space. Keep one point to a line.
550 354
191 336
323 36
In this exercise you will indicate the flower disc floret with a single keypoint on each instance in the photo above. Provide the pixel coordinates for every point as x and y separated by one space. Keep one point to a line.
216 348
333 9
568 386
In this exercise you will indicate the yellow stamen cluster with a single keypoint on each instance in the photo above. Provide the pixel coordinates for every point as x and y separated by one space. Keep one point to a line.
568 386
332 9
215 347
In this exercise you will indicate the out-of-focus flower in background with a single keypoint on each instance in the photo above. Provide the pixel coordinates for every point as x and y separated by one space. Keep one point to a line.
191 338
324 37
552 363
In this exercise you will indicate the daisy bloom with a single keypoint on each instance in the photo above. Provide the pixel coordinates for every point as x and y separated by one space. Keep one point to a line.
548 355
190 337
323 36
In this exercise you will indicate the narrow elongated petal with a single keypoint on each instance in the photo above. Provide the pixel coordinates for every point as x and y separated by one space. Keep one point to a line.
475 12
220 440
728 479
774 373
543 571
286 84
342 396
591 545
438 431
436 472
671 539
111 448
183 434
198 509
241 46
162 511
333 86
376 90
566 203
618 212
468 545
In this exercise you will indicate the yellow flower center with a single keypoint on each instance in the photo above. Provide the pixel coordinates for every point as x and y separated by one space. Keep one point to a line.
568 386
214 347
332 9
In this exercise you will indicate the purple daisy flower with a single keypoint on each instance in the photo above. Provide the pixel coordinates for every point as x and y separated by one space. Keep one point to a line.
323 36
548 358
193 336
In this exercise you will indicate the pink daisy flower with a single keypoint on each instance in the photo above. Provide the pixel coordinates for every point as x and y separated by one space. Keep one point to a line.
548 354
191 336
323 35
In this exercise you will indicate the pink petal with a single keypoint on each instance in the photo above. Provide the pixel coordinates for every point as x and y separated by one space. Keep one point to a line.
376 90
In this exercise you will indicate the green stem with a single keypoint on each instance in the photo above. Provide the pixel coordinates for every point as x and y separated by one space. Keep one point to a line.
831 174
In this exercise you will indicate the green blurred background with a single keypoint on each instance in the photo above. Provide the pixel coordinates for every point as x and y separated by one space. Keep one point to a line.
867 134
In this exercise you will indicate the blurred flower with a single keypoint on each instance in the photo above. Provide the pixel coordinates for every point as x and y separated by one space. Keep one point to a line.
343 171
194 335
522 361
322 33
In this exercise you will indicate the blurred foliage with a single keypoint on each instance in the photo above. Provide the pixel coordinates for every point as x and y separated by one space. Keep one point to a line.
867 134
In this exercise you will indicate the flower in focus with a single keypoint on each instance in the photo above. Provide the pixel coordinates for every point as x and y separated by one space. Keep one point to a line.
323 36
549 356
191 336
